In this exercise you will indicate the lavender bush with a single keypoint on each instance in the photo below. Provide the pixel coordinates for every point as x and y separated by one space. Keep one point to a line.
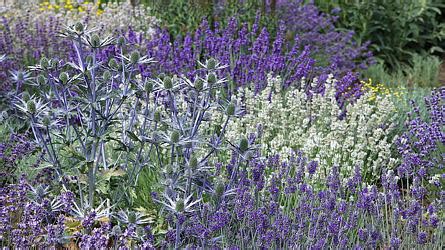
334 48
259 202
13 148
271 205
250 53
422 146
29 33
249 49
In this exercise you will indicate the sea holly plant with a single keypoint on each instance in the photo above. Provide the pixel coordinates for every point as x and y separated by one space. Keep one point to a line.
185 146
77 111
100 123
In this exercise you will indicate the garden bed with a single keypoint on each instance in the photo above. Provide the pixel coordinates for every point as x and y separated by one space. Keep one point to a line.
270 127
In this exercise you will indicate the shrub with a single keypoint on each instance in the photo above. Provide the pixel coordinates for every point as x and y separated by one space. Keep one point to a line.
100 124
397 30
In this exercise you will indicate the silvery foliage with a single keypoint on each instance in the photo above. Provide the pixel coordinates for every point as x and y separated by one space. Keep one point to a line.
185 146
76 116
293 120
96 119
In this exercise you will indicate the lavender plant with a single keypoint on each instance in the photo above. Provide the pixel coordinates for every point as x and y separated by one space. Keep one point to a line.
258 202
422 146
13 149
250 54
333 47
32 216
29 33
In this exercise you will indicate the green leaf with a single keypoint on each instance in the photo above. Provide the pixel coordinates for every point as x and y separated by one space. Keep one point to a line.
107 174
133 136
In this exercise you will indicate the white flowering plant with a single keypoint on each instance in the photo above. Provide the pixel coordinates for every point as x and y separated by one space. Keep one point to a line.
295 120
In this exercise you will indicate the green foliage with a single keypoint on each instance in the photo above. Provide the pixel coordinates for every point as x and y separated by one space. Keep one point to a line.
421 71
180 16
397 29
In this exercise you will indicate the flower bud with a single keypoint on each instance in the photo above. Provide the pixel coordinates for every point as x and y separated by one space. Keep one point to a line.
211 64
41 80
25 96
134 57
211 78
243 145
95 41
193 162
121 41
199 84
44 62
168 83
53 63
64 77
20 76
230 109
175 137
113 64
148 87
31 106
46 121
89 59
180 206
79 27
106 75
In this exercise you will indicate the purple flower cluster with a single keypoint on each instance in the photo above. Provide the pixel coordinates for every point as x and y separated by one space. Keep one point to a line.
422 146
251 53
29 220
25 42
317 29
12 151
302 213
305 45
